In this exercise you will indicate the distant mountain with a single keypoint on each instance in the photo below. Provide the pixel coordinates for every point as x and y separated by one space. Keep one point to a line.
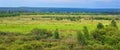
37 9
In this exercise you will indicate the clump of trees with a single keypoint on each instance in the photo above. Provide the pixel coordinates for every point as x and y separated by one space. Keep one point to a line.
104 38
69 18
8 14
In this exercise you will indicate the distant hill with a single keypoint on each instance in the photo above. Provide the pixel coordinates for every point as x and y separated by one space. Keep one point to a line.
37 9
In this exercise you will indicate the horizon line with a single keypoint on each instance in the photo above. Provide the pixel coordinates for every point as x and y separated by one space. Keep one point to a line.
63 7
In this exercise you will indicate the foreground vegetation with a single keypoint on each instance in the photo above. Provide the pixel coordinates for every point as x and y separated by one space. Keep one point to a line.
59 32
101 38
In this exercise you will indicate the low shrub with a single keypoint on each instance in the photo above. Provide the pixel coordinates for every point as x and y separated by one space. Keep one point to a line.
2 47
60 47
41 33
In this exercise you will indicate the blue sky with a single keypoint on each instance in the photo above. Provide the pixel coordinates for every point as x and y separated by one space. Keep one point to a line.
61 3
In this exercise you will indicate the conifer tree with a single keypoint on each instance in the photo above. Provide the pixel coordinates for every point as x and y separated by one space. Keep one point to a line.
114 24
56 34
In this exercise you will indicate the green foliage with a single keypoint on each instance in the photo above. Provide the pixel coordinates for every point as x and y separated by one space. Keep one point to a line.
102 38
68 18
2 47
41 33
81 38
56 34
114 24
98 35
86 32
59 18
60 47
100 26
102 18
37 37
3 33
106 36
31 46
6 14
102 47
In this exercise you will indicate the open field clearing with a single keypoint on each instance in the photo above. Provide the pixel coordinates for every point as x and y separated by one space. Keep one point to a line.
25 23
59 24
63 32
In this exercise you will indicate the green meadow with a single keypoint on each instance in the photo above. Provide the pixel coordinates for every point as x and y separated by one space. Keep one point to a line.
25 24
60 32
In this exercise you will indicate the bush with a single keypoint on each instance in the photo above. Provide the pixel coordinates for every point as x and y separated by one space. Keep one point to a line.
108 35
41 33
59 18
114 24
98 34
86 32
2 47
101 47
3 33
31 46
60 47
83 48
56 34
94 47
37 37
81 38
100 26
37 46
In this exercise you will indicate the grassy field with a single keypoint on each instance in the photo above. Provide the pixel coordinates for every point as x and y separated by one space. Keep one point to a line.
25 23
39 32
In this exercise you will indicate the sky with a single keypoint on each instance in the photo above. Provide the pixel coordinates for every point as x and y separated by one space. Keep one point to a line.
61 3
